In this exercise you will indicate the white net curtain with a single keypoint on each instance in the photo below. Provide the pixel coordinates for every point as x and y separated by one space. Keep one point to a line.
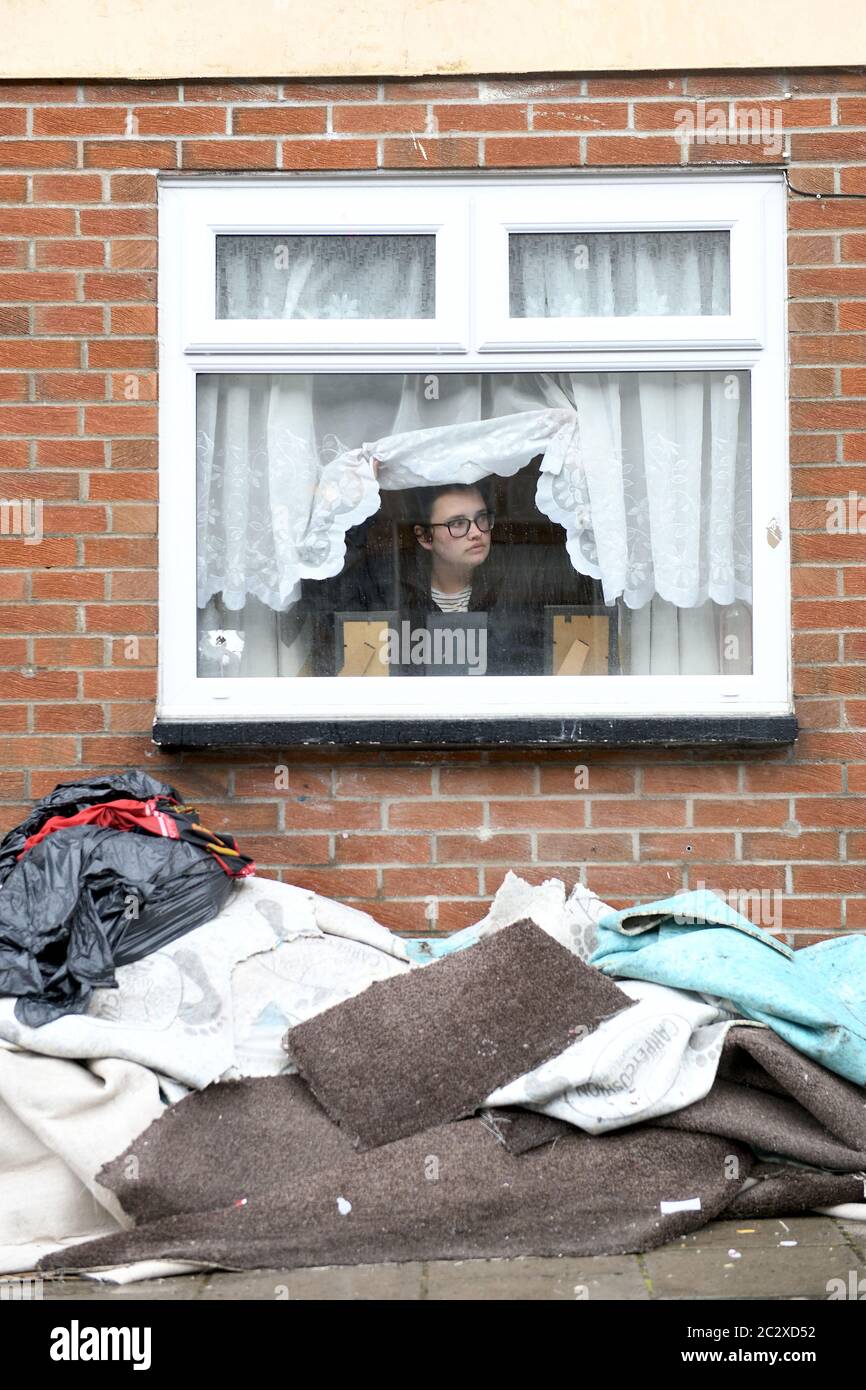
647 473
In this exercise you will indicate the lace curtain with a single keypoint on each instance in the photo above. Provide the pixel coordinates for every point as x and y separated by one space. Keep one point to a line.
648 473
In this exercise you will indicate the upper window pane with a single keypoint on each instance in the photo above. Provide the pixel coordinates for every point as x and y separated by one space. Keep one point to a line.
326 276
618 274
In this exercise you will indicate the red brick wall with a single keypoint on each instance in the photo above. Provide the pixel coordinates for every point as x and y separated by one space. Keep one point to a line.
78 257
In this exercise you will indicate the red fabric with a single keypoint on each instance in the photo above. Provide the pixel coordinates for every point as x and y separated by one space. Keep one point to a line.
115 815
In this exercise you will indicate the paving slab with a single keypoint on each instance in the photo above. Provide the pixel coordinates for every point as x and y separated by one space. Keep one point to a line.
596 1276
178 1286
389 1282
763 1272
804 1230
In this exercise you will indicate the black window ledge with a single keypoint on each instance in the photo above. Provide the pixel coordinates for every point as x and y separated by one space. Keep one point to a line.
745 731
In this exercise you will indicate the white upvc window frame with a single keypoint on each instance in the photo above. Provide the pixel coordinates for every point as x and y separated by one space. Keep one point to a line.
190 344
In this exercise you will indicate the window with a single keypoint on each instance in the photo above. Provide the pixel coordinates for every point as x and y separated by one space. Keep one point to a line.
527 429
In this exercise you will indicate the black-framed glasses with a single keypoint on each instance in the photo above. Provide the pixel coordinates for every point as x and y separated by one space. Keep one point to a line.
458 526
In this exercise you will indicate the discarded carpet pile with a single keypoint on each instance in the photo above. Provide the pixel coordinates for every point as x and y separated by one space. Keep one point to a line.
373 1152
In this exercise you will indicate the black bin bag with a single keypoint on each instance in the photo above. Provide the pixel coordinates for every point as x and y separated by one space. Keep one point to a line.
88 898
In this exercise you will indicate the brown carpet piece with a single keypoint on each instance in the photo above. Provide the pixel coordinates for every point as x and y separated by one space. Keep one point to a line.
426 1047
452 1192
784 1189
521 1130
768 1095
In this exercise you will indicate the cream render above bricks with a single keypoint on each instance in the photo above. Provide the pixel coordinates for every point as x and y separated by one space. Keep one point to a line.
77 672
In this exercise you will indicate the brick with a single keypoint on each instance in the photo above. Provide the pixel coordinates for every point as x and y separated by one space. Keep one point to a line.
636 880
82 319
584 847
525 88
119 685
632 149
13 651
127 92
14 453
35 221
128 353
40 353
686 845
42 617
834 146
129 154
14 255
79 120
383 849
844 812
70 453
110 222
477 117
130 719
813 317
42 685
133 188
430 815
77 718
67 188
641 85
329 154
537 814
743 812
835 879
448 883
31 752
132 255
13 188
35 419
475 848
280 120
237 818
319 814
68 651
336 883
180 120
759 846
13 719
431 152
32 285
228 154
288 849
374 782
120 419
301 782
133 318
115 617
71 585
486 781
533 150
638 813
69 386
229 91
688 781
417 89
585 779
123 285
40 154
13 586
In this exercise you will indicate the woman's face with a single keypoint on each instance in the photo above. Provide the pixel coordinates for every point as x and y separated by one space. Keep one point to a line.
468 551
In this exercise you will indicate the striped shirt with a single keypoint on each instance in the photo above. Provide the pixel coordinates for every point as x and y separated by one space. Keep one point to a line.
452 603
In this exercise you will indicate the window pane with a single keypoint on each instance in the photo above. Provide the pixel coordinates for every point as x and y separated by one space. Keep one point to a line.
326 277
618 274
504 540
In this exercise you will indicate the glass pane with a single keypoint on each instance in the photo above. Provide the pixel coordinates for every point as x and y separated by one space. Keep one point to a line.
618 274
631 555
389 276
